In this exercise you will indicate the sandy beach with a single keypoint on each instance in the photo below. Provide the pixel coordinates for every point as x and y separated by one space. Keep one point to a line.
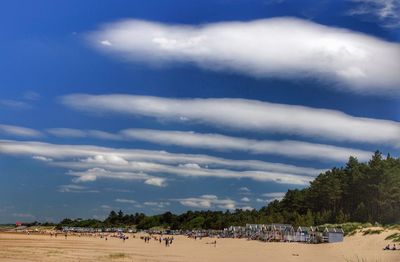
21 247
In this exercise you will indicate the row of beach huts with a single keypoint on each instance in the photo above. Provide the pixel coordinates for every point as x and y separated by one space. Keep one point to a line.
262 232
286 233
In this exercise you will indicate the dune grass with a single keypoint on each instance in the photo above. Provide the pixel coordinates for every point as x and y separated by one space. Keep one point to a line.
117 256
372 231
395 237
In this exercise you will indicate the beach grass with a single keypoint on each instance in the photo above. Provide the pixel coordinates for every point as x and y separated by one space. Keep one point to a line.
117 256
395 237
372 231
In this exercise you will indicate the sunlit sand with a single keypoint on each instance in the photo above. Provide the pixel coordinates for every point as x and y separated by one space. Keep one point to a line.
37 247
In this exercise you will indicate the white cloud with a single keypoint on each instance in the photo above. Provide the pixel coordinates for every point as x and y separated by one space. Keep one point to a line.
75 189
386 11
208 202
103 162
274 194
19 131
245 199
289 148
271 196
156 181
259 200
42 158
106 43
244 189
95 173
251 115
123 200
14 104
157 204
278 47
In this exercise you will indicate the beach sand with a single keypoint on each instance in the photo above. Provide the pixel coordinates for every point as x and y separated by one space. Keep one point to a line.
23 247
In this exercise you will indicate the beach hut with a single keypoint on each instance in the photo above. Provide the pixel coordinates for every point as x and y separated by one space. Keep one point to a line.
276 232
289 234
306 234
333 235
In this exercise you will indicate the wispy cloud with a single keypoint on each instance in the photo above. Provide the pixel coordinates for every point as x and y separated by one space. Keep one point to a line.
245 199
14 104
244 189
95 173
243 114
75 189
127 201
156 181
271 196
278 47
157 204
88 163
19 131
208 202
288 148
387 12
42 158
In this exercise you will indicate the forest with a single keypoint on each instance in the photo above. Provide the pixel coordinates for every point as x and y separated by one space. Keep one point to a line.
356 192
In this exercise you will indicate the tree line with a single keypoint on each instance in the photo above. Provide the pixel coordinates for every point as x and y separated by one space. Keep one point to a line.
356 192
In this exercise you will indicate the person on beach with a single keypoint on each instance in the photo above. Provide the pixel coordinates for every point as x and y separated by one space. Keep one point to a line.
166 241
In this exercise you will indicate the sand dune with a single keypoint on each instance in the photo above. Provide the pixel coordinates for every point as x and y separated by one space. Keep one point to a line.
22 247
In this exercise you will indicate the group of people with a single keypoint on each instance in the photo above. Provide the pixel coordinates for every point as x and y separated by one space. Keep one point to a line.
167 240
388 247
146 239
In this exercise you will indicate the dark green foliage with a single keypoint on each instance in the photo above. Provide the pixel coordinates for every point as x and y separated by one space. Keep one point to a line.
362 192
395 237
372 231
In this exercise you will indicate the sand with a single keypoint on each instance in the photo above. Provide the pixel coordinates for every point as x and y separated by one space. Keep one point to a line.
22 247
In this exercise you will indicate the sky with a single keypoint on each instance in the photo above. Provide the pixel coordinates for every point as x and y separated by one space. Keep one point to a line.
154 106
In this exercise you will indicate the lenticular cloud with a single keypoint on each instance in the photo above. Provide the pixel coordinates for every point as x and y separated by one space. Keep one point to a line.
277 47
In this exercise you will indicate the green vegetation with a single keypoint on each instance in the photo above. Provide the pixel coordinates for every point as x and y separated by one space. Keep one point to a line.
349 228
395 237
361 259
368 193
117 255
372 231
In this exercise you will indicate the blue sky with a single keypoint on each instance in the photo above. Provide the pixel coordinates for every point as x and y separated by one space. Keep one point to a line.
149 106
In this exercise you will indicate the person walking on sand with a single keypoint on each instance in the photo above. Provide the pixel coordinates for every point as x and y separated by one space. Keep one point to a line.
166 241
